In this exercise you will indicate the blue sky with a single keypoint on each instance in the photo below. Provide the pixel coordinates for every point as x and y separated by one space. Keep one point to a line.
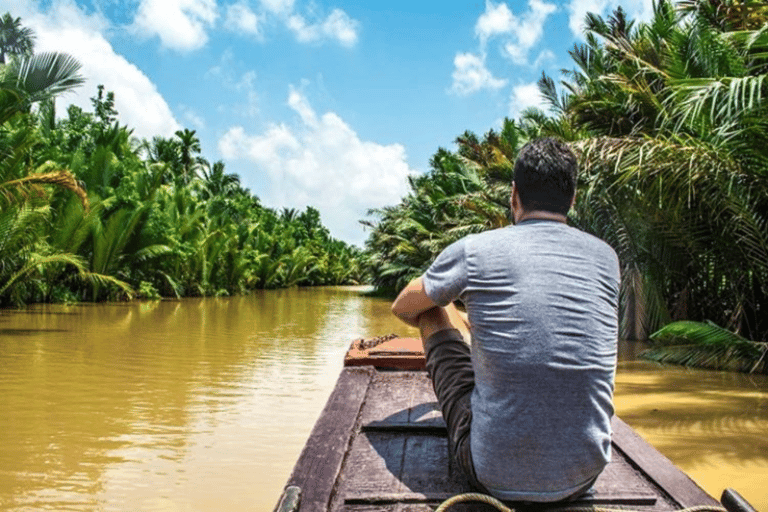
328 103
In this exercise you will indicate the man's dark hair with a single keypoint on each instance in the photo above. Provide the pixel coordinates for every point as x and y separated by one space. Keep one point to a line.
545 175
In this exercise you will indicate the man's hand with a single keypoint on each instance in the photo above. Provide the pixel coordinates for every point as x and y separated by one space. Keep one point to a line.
412 302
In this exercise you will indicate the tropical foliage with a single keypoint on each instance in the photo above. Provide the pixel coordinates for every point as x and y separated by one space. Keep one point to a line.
676 120
675 156
670 119
465 192
704 344
87 212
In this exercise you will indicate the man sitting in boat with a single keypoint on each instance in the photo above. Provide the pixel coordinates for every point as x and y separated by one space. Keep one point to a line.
528 407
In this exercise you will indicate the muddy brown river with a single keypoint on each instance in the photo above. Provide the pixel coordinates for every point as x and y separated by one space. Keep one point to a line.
204 404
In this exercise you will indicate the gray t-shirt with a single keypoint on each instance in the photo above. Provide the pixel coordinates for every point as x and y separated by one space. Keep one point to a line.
542 300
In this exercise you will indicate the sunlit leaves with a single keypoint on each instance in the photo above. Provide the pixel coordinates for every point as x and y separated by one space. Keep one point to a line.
709 346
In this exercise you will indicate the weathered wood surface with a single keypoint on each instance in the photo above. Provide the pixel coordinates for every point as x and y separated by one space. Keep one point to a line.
380 445
658 468
319 464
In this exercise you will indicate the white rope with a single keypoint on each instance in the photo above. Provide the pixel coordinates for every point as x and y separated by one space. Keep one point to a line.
473 496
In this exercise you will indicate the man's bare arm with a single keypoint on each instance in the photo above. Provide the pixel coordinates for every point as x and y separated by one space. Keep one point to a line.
412 302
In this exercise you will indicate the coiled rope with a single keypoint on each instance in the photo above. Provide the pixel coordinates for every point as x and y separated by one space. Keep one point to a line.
490 500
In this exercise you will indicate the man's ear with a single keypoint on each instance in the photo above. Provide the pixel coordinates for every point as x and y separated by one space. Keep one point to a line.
513 201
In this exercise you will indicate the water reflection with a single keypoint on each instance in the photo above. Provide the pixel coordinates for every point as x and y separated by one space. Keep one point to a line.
204 404
711 424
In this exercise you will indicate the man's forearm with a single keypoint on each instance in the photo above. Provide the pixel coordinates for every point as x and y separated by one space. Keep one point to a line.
412 302
411 319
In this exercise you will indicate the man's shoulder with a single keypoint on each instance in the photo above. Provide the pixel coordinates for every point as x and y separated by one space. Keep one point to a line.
596 243
563 232
490 236
564 237
474 240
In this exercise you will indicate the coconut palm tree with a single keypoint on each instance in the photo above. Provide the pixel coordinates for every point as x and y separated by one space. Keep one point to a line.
219 183
189 150
15 40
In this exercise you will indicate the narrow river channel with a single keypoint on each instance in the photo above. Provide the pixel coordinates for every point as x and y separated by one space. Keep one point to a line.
204 404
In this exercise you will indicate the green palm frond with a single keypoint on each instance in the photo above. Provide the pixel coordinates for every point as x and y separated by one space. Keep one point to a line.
152 251
11 102
720 99
48 74
97 280
36 263
709 346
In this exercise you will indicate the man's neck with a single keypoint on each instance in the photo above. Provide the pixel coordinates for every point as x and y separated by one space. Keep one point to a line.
541 215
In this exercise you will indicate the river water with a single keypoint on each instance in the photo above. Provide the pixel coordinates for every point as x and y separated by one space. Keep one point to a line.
205 404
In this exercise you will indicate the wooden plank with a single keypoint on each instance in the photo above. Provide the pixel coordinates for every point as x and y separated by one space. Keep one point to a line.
659 469
397 405
402 399
373 466
391 467
389 398
396 466
424 407
621 483
429 470
319 464
387 352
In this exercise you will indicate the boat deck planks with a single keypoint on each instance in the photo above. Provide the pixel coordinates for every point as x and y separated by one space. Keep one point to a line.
380 445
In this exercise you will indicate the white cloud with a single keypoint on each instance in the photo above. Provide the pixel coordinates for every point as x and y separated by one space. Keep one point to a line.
470 75
528 30
241 18
641 10
337 26
497 19
525 96
192 117
299 103
321 161
518 34
64 27
275 145
247 86
180 24
244 84
544 56
278 6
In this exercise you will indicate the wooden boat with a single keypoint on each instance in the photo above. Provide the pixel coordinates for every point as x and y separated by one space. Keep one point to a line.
380 445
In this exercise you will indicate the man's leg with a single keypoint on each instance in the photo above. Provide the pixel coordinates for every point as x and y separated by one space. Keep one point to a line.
450 367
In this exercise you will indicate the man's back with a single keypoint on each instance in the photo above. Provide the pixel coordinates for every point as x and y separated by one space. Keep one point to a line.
542 302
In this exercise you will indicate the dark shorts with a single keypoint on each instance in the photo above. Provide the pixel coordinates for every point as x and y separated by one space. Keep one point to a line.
450 367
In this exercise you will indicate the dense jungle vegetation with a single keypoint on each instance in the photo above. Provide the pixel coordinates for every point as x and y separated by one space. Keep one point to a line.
670 120
88 212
